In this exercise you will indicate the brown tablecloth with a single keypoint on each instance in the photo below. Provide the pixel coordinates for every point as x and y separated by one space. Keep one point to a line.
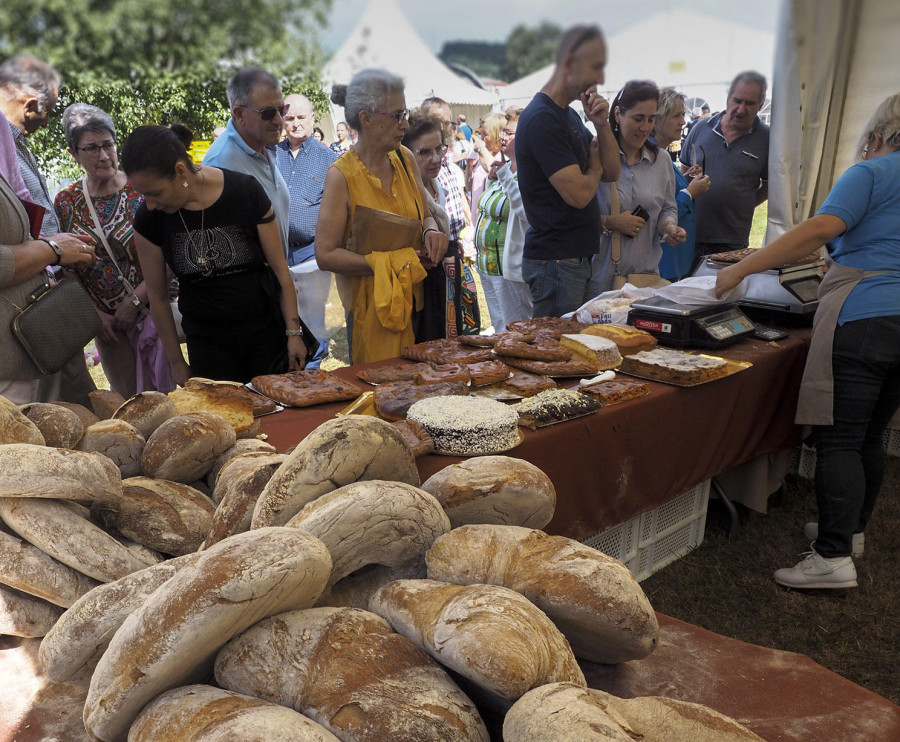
623 460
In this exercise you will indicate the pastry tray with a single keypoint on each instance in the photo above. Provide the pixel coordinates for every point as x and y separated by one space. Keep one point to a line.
364 404
557 422
731 368
519 439
278 406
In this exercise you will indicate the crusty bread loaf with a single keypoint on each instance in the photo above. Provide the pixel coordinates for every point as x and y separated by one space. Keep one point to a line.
592 598
144 554
173 637
218 397
170 517
86 416
15 427
105 402
68 538
201 713
349 671
27 568
240 447
185 447
494 489
146 411
27 470
83 632
238 487
119 441
338 452
60 427
490 635
374 522
24 615
562 712
629 339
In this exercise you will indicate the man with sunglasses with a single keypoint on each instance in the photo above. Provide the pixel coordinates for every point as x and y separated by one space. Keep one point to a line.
257 118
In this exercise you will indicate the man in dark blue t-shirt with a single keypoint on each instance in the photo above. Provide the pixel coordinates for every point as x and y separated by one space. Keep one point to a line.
560 166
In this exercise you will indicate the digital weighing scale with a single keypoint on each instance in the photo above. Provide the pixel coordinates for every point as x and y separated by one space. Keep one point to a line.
690 325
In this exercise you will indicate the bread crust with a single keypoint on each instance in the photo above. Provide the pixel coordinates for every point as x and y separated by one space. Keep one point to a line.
185 447
28 470
60 426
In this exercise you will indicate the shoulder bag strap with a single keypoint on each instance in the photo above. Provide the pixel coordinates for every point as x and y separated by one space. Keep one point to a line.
102 234
615 237
399 152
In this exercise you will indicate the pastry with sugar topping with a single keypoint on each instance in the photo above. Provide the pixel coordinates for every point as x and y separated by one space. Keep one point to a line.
467 425
593 349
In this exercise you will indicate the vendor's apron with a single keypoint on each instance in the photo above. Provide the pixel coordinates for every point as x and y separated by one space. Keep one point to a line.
815 405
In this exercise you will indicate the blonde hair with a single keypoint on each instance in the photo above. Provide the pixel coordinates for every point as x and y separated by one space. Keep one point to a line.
492 125
885 121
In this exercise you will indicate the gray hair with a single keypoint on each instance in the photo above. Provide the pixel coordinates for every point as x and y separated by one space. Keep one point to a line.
367 91
750 78
80 118
240 87
668 97
22 73
885 121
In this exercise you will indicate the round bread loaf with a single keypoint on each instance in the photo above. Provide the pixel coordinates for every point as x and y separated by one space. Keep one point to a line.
494 489
105 402
169 517
201 713
350 672
172 639
69 538
119 441
340 451
562 712
86 416
81 635
24 615
185 447
593 599
146 411
238 486
375 522
15 427
60 427
240 447
490 635
28 470
27 568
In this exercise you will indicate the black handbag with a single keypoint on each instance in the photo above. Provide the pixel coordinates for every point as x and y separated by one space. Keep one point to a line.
56 324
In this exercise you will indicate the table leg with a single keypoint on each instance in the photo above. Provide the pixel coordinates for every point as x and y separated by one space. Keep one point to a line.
729 506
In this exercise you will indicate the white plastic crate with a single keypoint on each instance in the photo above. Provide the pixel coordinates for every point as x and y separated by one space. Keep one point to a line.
649 541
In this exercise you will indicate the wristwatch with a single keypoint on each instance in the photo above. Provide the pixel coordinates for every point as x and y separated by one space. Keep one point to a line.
56 248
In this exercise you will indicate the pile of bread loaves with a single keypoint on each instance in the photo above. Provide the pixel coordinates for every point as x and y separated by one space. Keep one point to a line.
209 588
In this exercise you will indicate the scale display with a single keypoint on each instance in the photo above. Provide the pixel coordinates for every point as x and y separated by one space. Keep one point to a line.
725 325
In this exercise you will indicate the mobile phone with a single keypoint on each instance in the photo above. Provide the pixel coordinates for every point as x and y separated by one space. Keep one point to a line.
641 212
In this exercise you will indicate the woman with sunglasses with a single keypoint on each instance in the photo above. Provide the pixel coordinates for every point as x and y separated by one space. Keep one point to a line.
216 230
102 206
639 209
500 234
374 225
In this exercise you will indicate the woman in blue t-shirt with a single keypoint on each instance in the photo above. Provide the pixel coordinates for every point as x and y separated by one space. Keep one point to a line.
851 385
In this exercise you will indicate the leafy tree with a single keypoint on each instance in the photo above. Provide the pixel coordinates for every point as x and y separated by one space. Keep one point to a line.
484 58
529 49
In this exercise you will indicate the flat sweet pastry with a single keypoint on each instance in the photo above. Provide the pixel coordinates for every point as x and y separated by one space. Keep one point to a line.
629 339
613 392
571 367
593 349
448 372
306 388
488 341
261 405
552 326
467 425
545 350
393 400
553 406
736 256
415 436
221 398
488 372
395 372
527 385
445 351
674 366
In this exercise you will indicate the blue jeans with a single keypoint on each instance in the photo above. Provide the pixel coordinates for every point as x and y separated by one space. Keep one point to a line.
850 453
557 286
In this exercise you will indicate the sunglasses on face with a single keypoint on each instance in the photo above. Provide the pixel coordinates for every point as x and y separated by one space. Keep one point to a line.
269 113
398 116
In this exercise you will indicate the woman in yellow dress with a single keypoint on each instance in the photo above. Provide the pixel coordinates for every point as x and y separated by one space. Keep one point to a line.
374 225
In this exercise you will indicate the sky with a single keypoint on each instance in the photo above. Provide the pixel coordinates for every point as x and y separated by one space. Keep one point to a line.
483 20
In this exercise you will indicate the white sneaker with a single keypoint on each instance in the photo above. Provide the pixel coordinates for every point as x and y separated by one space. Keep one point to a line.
818 572
811 531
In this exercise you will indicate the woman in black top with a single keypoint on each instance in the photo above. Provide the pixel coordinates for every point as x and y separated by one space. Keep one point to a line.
217 232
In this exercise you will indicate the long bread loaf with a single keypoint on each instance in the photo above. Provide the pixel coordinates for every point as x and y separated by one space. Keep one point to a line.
27 470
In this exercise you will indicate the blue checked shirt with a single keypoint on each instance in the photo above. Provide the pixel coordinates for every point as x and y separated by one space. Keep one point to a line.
34 180
305 178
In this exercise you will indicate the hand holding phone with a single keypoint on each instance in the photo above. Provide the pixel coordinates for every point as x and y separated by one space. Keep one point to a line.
641 212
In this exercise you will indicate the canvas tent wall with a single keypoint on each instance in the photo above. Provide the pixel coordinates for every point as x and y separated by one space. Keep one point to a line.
383 37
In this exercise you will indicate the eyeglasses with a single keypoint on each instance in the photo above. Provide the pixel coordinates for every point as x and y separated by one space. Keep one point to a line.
506 133
93 150
269 113
428 154
398 116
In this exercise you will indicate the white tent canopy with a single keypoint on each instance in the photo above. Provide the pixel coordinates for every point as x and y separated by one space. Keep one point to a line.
696 54
384 38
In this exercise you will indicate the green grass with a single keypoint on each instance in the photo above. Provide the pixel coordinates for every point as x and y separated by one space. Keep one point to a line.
758 230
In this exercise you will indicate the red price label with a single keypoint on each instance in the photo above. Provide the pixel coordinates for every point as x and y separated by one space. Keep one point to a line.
646 324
